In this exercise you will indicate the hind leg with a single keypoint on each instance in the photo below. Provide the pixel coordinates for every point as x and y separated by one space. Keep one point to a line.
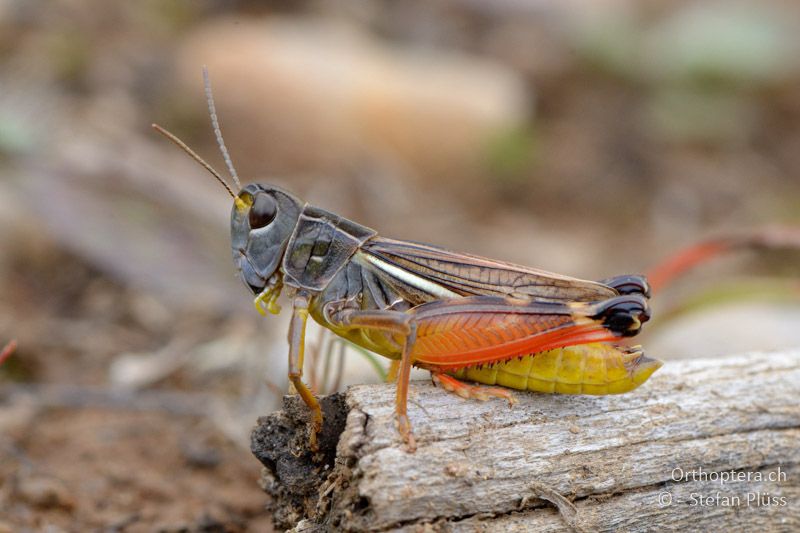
477 392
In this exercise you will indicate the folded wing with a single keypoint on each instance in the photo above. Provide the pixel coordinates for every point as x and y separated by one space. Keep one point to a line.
466 275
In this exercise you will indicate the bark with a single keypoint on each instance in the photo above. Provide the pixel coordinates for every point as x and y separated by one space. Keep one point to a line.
704 445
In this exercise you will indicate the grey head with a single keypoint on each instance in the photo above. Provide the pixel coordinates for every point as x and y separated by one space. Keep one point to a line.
263 219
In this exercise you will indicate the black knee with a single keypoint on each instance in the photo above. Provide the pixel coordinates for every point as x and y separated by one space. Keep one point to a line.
624 315
629 284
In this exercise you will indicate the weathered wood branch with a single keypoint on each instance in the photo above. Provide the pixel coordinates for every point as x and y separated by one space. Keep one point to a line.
676 453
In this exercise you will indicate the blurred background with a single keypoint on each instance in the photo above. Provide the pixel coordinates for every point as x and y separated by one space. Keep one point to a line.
588 137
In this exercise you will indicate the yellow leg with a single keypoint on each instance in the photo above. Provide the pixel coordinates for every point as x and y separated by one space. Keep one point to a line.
394 369
297 333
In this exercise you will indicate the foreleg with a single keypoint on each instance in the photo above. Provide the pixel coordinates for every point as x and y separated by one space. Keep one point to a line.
297 333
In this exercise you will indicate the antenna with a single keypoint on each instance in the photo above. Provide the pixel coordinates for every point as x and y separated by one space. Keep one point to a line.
212 110
193 155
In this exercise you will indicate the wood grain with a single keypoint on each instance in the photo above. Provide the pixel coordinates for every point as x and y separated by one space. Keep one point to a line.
482 466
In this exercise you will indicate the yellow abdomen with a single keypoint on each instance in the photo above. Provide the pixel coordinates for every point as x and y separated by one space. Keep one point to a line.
596 368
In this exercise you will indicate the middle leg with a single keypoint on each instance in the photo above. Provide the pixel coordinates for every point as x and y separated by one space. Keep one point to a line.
398 323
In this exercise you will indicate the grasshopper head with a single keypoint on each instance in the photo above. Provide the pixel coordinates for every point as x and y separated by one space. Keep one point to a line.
262 221
263 217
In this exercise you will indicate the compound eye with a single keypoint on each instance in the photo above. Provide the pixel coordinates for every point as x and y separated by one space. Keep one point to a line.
263 211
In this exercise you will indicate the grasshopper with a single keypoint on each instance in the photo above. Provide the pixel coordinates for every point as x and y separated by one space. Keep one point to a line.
454 314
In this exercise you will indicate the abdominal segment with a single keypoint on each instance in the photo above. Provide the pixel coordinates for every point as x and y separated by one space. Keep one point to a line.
595 368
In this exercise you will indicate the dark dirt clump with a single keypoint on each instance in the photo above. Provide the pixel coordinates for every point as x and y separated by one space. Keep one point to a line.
293 473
